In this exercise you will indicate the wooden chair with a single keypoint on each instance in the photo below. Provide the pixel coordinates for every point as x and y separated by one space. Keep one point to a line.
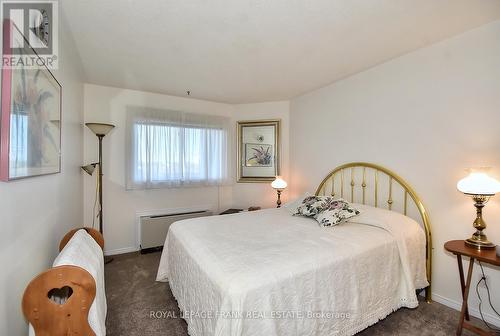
57 301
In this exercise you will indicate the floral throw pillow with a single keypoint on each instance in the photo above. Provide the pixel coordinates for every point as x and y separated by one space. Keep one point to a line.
313 205
337 212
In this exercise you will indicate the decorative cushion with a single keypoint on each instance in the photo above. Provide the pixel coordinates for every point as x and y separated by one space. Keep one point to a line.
312 205
338 211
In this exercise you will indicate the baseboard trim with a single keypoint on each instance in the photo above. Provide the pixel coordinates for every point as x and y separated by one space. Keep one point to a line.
121 251
492 319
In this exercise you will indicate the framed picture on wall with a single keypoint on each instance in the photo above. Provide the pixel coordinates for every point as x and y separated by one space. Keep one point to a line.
258 150
30 130
258 155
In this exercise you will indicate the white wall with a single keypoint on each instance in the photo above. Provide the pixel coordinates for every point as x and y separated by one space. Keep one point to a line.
37 212
261 194
107 104
427 115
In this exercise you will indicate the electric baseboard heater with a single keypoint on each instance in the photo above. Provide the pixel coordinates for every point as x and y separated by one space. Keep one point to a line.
154 228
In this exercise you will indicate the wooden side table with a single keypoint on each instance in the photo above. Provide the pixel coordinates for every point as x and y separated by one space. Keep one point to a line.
230 211
458 248
233 211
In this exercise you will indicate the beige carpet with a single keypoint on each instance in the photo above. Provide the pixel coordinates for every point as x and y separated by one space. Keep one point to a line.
133 295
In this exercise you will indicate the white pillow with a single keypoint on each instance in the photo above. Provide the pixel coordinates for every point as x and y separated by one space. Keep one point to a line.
292 206
376 216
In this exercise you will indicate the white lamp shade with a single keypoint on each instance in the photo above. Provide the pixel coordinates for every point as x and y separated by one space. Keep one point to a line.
478 183
100 128
279 183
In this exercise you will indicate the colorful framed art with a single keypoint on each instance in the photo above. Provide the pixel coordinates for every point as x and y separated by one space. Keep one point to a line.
30 133
258 150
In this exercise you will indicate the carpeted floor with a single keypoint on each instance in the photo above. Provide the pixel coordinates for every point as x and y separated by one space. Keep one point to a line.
133 295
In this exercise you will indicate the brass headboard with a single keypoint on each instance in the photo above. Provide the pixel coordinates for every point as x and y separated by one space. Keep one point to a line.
363 182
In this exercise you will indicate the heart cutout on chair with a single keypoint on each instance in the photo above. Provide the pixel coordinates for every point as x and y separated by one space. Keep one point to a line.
60 295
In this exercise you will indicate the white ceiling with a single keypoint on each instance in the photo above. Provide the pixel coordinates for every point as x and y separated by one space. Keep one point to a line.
240 51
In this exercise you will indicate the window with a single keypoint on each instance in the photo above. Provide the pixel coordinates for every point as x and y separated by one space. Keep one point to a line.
19 141
171 149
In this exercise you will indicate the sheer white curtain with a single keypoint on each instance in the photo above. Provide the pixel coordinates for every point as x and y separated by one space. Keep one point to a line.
170 149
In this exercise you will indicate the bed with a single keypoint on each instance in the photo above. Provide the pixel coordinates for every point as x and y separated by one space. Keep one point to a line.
271 273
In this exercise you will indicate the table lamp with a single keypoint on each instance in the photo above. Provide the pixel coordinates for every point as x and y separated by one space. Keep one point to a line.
481 188
279 185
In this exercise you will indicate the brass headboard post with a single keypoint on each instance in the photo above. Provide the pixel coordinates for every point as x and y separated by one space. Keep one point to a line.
393 178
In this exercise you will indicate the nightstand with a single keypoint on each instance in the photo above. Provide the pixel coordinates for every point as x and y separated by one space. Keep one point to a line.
488 256
232 211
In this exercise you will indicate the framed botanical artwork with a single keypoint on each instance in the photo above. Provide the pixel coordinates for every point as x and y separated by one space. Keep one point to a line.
258 155
258 150
30 132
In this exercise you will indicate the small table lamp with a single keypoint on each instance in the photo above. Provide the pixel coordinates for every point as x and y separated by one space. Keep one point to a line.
480 187
279 185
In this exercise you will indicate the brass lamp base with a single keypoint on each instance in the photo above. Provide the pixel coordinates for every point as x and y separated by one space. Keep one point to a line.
479 240
479 244
278 202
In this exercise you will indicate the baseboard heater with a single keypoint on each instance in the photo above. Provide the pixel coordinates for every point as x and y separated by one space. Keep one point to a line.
154 228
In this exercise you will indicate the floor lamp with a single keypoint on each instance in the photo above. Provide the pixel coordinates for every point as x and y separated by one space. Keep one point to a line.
100 130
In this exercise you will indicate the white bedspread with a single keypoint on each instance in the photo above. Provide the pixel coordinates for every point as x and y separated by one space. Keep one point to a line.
270 273
83 251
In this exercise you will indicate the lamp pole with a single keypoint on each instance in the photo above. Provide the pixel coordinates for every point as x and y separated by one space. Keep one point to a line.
100 130
100 136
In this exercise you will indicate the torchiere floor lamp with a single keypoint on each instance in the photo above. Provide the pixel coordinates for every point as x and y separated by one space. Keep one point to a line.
100 130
